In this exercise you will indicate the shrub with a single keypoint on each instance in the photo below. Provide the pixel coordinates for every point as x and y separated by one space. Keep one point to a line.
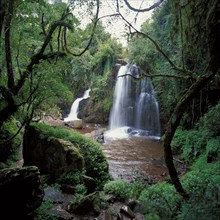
71 178
124 190
191 143
119 188
210 121
203 186
160 200
213 149
42 212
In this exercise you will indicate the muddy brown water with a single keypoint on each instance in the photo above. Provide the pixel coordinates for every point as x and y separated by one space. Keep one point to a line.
130 157
135 156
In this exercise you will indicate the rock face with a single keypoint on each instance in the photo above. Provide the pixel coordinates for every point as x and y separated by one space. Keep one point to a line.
52 156
91 115
20 192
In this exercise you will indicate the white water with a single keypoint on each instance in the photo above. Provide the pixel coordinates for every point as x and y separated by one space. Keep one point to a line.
73 115
135 109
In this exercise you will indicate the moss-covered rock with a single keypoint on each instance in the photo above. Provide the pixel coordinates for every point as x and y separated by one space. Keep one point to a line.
53 156
44 146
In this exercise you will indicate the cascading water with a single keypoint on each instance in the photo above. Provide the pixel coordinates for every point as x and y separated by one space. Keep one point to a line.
135 108
73 115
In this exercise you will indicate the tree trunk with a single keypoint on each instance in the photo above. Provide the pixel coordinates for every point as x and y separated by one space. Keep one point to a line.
173 124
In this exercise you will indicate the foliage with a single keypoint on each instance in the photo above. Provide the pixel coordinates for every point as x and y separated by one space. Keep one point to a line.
203 139
10 141
160 200
202 183
123 190
93 69
119 188
96 164
32 66
191 143
213 149
74 179
80 192
210 120
42 213
71 178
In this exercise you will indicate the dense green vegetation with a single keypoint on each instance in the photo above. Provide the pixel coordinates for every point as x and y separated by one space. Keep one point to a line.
47 59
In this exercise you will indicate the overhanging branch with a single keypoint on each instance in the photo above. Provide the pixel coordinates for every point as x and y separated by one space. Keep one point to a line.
96 19
144 9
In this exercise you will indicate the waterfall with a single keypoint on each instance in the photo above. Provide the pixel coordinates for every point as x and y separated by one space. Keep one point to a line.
135 109
73 115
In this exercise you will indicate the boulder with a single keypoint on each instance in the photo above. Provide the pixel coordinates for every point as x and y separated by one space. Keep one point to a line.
53 156
20 192
77 123
89 204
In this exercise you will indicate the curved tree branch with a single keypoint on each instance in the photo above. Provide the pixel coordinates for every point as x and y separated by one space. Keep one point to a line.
174 122
96 19
10 72
35 59
157 47
145 9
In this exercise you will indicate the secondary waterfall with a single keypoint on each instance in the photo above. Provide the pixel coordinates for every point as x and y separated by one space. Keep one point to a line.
73 115
135 109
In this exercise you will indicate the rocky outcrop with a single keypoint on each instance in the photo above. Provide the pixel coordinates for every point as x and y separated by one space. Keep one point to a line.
89 204
53 156
89 114
20 192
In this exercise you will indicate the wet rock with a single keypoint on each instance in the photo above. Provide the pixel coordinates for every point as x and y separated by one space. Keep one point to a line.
77 123
107 215
89 204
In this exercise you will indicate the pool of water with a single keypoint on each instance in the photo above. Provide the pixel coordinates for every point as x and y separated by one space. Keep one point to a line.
133 156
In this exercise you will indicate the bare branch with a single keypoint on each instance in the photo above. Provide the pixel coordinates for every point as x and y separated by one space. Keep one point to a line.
35 60
157 47
96 19
160 75
9 63
145 9
44 30
169 76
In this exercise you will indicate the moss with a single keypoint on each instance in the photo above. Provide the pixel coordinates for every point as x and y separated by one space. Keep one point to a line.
10 141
